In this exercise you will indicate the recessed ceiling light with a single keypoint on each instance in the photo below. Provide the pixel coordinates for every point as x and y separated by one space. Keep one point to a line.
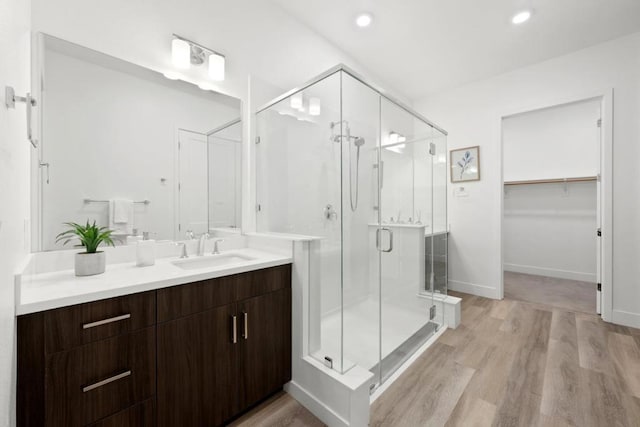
521 17
364 20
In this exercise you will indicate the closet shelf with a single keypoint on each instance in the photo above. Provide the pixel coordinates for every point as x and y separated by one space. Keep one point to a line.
552 181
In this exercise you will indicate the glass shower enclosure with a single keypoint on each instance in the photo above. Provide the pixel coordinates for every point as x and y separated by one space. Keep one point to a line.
364 178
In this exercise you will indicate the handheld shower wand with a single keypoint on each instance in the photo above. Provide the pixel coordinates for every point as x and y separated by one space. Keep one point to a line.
358 141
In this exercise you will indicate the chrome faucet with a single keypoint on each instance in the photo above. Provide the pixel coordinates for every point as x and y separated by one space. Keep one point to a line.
201 243
216 251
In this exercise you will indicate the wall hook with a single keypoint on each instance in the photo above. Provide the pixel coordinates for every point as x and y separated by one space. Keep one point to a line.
10 100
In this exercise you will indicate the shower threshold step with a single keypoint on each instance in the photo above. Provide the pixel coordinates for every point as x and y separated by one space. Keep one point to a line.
401 354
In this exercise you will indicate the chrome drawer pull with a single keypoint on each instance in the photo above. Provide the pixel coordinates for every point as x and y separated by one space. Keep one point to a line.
105 382
234 337
105 321
246 324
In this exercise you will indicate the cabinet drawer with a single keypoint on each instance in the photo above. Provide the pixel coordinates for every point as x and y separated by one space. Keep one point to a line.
94 381
69 327
183 300
264 281
140 415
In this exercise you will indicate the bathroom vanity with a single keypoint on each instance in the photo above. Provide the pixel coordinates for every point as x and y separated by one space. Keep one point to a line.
184 350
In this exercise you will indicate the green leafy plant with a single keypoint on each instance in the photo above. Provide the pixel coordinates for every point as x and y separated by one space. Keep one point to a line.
90 235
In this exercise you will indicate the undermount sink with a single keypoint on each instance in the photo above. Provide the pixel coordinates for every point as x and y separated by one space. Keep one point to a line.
209 261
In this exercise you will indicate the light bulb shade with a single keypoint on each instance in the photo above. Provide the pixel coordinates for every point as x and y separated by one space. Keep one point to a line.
180 54
296 101
521 17
216 67
393 138
314 106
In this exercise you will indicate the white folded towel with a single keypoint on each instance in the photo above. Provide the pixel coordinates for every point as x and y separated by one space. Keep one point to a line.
121 216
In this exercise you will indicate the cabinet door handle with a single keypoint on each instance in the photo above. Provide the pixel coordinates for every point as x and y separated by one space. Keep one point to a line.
234 329
105 321
246 325
106 381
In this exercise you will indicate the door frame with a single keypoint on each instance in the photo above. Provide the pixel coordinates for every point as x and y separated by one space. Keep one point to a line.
606 98
179 234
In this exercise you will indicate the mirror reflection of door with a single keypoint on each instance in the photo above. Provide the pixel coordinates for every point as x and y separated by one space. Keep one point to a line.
192 187
225 151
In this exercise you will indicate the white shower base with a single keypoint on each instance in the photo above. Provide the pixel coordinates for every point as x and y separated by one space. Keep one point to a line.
362 334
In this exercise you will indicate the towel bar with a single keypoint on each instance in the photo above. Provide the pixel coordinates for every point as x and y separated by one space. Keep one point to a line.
141 202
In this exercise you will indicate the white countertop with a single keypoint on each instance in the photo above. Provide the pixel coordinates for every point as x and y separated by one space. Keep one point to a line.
45 291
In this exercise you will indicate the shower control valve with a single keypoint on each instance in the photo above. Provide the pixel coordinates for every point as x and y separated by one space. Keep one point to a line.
330 213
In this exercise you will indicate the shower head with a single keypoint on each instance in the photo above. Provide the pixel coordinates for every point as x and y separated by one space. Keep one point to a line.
359 141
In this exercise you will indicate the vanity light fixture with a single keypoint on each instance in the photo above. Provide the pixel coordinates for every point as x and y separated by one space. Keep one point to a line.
521 17
314 106
216 67
180 54
296 101
394 137
185 53
364 20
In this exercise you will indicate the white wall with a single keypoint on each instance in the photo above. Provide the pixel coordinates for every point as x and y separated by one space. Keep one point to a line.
266 49
257 37
14 186
558 142
109 134
549 232
472 114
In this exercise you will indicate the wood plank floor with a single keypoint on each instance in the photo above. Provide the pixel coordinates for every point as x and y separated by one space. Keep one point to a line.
510 363
572 295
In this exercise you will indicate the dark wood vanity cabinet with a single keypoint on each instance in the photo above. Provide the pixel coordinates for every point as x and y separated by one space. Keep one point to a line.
215 363
189 355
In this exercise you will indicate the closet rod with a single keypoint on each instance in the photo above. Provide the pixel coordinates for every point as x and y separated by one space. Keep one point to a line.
551 181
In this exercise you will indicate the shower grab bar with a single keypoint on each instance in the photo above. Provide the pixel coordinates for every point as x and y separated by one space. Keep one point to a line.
390 239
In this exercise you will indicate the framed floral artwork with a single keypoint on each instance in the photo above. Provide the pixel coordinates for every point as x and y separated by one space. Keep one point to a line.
465 164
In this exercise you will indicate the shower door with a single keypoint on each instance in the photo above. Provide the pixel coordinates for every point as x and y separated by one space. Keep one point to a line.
405 223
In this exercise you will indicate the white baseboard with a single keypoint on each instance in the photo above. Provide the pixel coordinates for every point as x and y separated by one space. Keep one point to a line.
550 272
315 406
626 318
474 289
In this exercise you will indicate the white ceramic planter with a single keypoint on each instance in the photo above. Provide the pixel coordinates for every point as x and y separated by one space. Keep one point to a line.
90 264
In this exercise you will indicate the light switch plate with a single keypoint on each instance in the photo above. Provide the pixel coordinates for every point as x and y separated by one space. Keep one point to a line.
460 192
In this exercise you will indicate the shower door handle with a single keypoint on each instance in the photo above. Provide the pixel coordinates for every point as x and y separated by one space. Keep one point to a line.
390 248
390 239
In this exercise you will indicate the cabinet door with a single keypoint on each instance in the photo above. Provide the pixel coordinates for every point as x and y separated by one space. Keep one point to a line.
265 350
197 369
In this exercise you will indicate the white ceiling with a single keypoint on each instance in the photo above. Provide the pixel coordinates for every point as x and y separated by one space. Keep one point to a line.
425 46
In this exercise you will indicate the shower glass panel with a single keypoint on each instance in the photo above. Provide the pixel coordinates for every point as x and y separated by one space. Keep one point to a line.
360 224
440 232
298 189
355 173
406 210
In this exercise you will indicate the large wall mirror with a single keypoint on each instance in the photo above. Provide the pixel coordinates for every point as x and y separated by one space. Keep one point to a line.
131 149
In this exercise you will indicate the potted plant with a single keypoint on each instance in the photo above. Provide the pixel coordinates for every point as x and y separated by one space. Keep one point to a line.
91 261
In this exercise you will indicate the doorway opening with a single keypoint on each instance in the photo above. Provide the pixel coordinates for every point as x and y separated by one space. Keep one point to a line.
552 205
